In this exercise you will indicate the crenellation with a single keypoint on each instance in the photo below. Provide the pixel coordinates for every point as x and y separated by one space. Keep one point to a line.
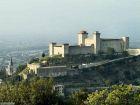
90 45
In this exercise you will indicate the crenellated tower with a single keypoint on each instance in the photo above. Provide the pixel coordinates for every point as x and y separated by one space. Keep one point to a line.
125 43
97 42
82 35
51 49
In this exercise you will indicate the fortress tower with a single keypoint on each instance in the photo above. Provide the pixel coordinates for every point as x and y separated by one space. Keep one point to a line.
96 42
58 49
51 49
82 35
125 43
65 49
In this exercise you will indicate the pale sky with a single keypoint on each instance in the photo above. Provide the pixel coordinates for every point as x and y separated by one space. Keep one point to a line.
61 20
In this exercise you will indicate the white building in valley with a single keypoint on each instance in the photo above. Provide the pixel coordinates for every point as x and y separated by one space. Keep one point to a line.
89 45
10 68
59 89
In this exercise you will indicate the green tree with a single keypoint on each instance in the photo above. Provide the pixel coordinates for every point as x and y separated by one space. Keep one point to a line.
78 98
43 55
110 51
120 95
125 53
20 68
97 98
116 95
136 98
35 92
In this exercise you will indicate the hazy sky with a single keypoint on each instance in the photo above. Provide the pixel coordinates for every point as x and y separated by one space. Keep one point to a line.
61 20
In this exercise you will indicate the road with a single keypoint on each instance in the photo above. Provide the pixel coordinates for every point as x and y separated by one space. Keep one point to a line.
102 62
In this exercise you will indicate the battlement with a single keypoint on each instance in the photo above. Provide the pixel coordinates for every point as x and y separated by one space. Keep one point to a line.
89 45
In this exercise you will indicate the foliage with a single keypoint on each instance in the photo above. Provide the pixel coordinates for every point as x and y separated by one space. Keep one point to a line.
2 74
43 55
20 68
78 98
116 95
125 53
53 60
34 92
97 98
39 92
34 60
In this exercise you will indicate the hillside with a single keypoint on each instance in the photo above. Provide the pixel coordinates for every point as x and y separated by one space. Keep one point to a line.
128 73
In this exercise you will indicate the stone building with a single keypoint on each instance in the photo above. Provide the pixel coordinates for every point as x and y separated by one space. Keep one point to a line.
134 52
89 45
33 67
10 68
56 71
53 71
59 89
36 69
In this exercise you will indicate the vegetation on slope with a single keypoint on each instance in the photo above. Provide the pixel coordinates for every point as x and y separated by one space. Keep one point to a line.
115 95
35 92
39 92
127 73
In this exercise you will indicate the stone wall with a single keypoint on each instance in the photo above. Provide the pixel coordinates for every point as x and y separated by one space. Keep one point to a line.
74 50
134 51
33 67
58 50
111 43
89 45
89 41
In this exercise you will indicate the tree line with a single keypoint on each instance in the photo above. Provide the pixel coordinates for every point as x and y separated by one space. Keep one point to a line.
34 92
38 91
115 95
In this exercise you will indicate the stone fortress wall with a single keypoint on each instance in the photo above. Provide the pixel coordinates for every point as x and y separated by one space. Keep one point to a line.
73 50
101 44
89 45
112 43
134 51
65 49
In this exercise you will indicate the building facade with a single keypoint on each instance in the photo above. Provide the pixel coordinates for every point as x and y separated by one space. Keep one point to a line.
10 68
89 45
59 89
33 67
135 52
36 69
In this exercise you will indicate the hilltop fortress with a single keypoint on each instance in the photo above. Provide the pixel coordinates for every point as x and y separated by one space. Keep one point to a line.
89 45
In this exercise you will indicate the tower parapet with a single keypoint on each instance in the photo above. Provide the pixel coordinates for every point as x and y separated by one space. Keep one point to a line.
82 35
